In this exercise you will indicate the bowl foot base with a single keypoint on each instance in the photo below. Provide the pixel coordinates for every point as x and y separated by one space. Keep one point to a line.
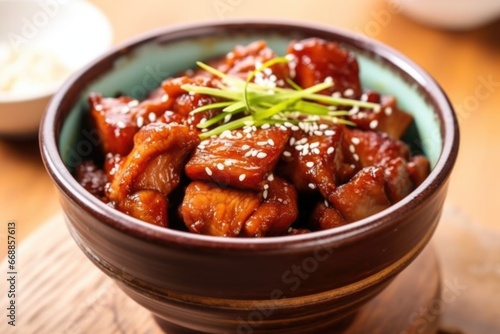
405 306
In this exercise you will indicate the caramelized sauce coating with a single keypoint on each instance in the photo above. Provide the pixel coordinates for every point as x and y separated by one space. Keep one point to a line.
256 181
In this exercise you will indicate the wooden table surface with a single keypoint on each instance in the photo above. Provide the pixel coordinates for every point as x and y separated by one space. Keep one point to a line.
466 64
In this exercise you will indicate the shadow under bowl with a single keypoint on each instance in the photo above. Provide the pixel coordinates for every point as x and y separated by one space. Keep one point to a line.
293 284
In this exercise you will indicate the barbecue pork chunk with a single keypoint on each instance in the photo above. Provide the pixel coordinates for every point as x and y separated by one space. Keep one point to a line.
241 158
313 162
223 211
388 118
155 163
317 59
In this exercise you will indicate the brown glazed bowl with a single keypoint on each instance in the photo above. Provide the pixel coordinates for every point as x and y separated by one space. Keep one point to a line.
292 284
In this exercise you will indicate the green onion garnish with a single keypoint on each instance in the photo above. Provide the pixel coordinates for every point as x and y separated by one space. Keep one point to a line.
260 104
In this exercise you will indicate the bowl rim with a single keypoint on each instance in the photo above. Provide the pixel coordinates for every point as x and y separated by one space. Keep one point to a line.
69 187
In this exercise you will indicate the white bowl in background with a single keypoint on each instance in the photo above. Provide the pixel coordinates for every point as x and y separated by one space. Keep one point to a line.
451 14
41 44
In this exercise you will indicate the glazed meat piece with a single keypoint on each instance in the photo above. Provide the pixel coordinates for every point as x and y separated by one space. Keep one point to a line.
241 158
119 119
182 103
317 60
388 118
276 213
242 60
368 148
147 205
91 178
325 216
115 124
363 196
418 168
223 211
398 182
313 162
212 210
156 161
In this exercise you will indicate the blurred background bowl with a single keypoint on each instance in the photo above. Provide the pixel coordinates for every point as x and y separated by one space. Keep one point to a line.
452 14
41 44
294 284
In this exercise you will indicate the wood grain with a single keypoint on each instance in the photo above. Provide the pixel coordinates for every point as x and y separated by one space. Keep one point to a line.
60 291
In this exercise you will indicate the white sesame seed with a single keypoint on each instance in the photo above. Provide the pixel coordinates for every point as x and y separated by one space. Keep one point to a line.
270 142
227 118
377 109
201 147
299 147
125 110
323 126
262 143
288 124
326 203
270 178
311 186
120 124
133 103
164 98
225 134
266 186
248 153
354 110
265 126
239 135
264 193
302 141
388 111
355 140
248 135
209 171
352 149
98 107
152 117
355 156
329 133
139 121
328 79
220 166
349 92
330 150
242 177
336 94
310 164
245 147
316 151
373 124
295 128
364 97
314 145
255 153
318 133
287 154
228 162
261 155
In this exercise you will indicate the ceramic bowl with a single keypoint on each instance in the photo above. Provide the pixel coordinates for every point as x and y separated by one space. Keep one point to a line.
293 284
50 40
